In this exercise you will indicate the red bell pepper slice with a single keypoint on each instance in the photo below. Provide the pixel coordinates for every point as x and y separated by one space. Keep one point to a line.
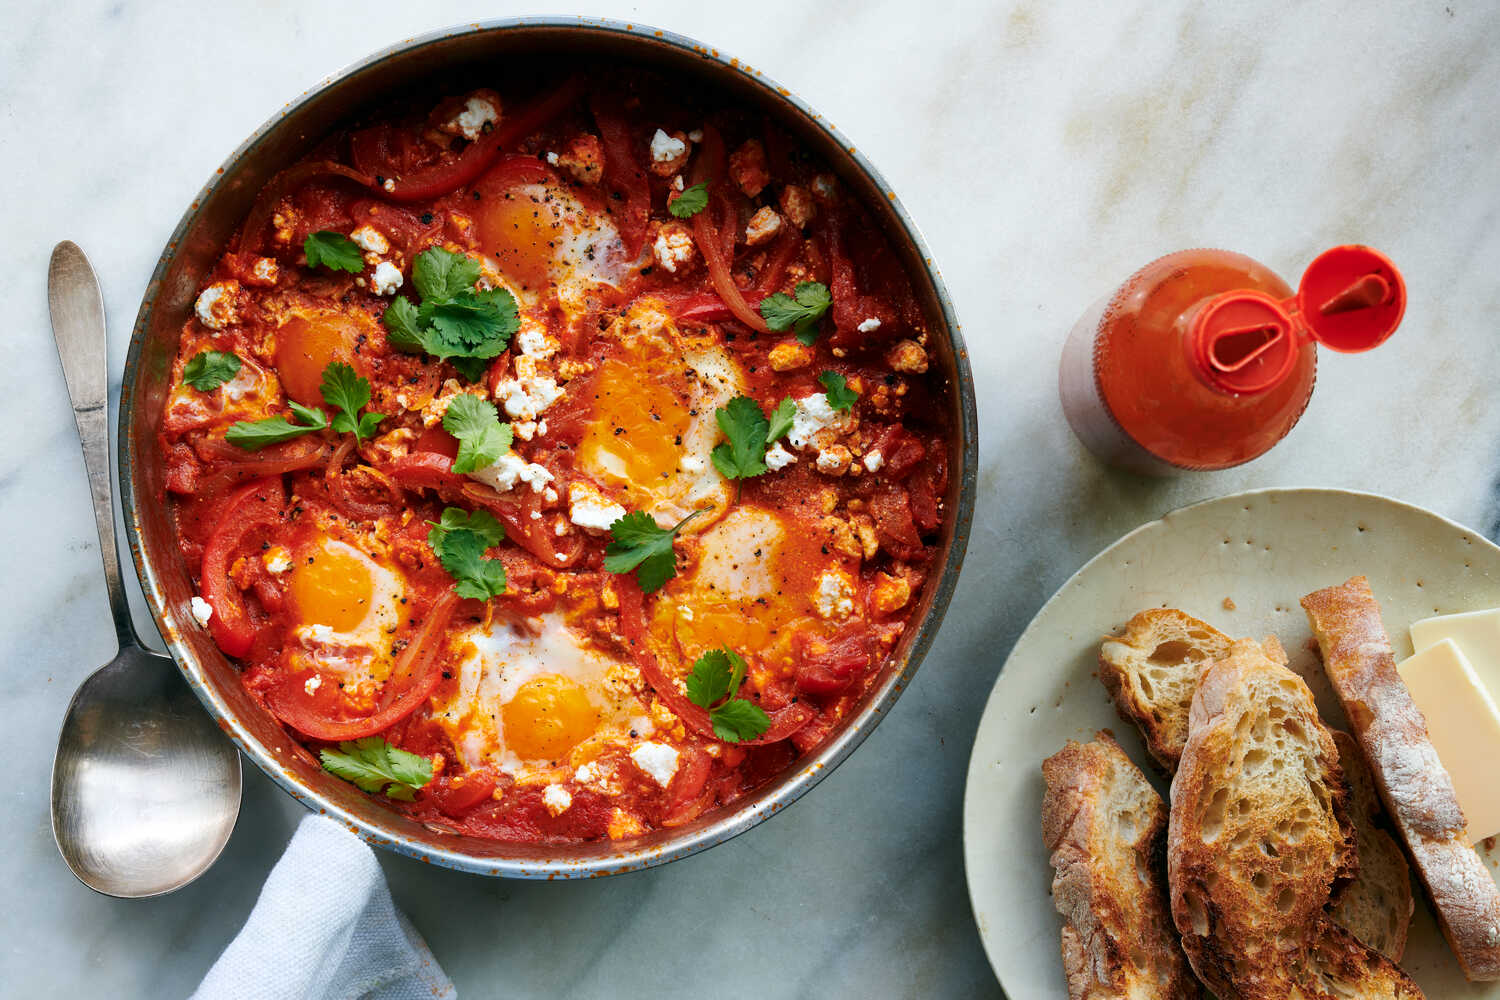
411 682
259 503
624 177
709 169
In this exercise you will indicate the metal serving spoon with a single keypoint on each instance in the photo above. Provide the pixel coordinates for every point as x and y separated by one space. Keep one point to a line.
145 788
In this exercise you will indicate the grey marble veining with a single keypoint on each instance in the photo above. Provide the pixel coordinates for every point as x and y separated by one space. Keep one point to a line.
1046 149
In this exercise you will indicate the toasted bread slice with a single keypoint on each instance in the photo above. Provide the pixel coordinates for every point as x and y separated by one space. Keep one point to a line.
1152 671
1377 906
1259 837
1416 790
1103 824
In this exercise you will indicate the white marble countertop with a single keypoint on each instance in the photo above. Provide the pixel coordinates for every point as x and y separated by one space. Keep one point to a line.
1045 149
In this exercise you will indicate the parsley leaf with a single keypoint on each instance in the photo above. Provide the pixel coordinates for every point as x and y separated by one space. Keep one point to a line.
459 540
482 438
210 369
373 764
781 420
253 435
690 202
347 392
456 321
798 312
715 680
334 251
748 430
640 544
840 397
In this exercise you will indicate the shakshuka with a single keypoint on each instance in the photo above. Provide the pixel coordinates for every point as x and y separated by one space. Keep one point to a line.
558 464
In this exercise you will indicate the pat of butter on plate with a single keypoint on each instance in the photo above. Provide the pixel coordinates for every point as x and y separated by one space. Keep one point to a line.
1464 726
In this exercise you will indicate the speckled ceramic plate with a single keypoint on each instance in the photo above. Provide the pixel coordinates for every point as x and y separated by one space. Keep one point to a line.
1241 563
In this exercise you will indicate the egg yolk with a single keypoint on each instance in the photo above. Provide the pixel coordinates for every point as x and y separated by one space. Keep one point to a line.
640 420
548 716
307 345
521 229
331 587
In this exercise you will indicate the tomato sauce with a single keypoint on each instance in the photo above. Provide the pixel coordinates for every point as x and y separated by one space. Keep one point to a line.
559 711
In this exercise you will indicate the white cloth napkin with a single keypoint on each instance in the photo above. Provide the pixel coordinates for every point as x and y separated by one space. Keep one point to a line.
324 928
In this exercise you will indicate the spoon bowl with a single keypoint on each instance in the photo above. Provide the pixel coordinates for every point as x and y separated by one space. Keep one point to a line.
145 788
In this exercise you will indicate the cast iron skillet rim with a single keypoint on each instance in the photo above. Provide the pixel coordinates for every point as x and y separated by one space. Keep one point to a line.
733 823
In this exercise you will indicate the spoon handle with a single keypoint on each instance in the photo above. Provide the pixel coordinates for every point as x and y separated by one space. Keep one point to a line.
77 308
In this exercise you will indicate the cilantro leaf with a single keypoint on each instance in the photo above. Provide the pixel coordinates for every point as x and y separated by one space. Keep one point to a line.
347 392
456 321
690 202
253 435
737 720
372 764
640 544
748 430
210 369
441 275
798 312
840 397
781 420
334 251
713 684
459 540
482 438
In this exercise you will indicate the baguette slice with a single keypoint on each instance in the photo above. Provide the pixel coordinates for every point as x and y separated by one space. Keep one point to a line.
1103 824
1416 789
1152 671
1259 838
1377 906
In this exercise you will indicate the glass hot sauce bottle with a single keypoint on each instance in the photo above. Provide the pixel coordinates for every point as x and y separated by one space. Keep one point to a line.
1204 359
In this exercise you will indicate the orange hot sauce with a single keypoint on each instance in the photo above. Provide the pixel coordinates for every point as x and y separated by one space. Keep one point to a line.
1204 359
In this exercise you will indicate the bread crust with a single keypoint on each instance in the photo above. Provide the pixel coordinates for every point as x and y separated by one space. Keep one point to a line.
1417 791
1103 824
1377 906
1259 838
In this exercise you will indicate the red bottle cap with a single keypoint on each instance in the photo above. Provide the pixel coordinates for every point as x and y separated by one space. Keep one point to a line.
1351 299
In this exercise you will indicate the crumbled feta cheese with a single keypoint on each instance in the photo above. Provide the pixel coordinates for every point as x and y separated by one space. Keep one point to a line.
215 306
665 149
673 248
586 773
551 158
823 186
510 469
778 457
677 183
834 597
874 460
657 760
590 509
313 683
696 135
202 611
386 279
277 560
532 340
763 225
527 398
388 184
477 113
869 325
370 240
435 409
265 270
834 459
815 421
550 496
557 799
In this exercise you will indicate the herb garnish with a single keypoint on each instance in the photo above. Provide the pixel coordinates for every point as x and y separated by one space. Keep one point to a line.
334 251
690 202
798 312
459 540
640 544
713 684
348 393
210 369
253 435
373 764
456 321
482 437
749 434
840 397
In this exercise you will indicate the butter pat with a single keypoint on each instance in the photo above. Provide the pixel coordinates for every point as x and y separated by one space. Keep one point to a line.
1477 634
1464 726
